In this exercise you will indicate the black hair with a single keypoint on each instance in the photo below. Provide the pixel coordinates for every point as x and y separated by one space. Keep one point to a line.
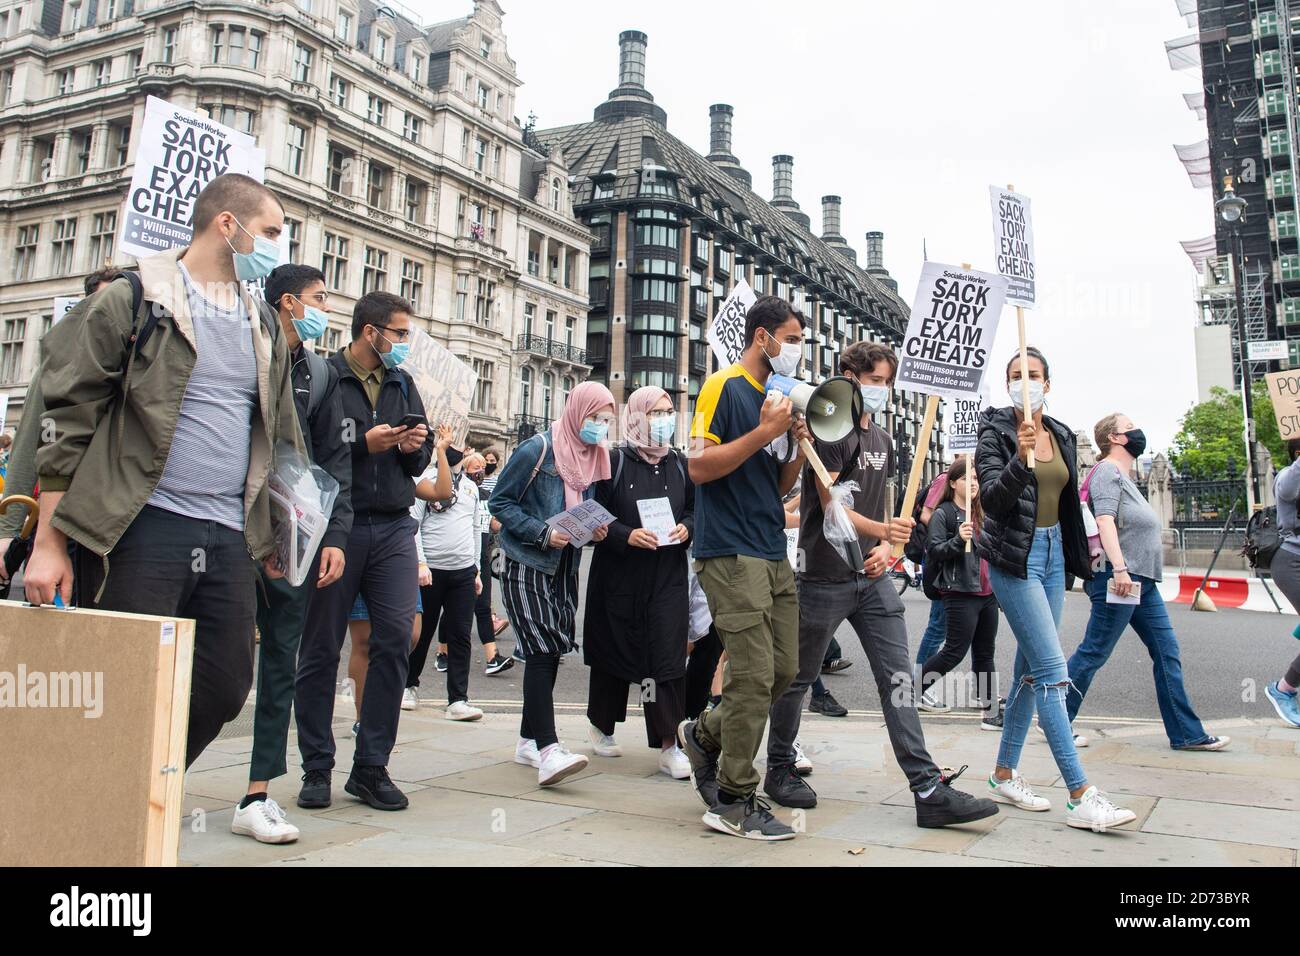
769 313
860 358
242 196
290 280
1032 353
376 308
93 281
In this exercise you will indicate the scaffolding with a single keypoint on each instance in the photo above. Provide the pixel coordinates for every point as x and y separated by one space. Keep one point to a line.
1217 302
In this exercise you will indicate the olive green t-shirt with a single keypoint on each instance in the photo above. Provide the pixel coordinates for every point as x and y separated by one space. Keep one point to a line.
1052 476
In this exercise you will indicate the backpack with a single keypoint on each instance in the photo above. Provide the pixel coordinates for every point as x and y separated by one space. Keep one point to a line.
1096 553
1263 539
618 468
318 378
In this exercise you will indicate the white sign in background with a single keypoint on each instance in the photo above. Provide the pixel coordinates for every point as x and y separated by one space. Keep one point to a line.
180 152
727 331
63 304
950 332
1013 242
1267 351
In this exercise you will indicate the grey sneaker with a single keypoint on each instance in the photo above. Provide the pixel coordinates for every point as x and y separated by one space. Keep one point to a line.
704 765
751 819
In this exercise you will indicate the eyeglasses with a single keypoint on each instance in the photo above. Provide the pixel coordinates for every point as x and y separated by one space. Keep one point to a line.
401 334
319 298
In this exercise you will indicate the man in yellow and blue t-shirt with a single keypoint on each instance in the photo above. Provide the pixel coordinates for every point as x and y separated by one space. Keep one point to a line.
740 552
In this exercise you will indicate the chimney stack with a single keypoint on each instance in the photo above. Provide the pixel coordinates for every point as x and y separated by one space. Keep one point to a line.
720 115
631 98
631 58
876 252
831 220
783 191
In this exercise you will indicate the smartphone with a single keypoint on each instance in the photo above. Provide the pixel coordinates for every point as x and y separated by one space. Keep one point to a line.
410 421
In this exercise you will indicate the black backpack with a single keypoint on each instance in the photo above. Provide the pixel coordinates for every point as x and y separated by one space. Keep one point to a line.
914 550
1263 538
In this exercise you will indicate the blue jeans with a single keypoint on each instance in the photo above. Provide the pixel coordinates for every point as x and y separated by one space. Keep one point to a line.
1151 621
932 639
1033 608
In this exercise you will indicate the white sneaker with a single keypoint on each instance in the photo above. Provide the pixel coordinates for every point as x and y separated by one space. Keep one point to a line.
932 703
674 763
264 821
556 763
1017 793
461 710
409 701
526 753
1096 813
603 744
348 688
802 765
1080 741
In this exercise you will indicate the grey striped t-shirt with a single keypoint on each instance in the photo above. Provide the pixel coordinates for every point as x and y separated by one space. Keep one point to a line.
207 466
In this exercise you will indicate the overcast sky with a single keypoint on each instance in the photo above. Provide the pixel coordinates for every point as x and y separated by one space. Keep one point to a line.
909 112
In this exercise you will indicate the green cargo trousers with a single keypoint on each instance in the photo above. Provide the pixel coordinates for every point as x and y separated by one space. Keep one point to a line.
755 609
281 614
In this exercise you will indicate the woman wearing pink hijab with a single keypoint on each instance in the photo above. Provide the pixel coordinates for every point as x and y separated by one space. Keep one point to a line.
548 474
636 624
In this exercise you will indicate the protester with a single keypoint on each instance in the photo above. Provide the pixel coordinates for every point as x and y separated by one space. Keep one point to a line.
1285 569
821 701
832 591
636 627
130 465
447 541
298 295
743 566
548 474
1033 533
937 626
485 527
496 664
962 578
381 560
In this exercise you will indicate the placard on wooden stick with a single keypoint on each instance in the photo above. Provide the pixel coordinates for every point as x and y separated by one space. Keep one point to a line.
1284 393
1013 240
94 710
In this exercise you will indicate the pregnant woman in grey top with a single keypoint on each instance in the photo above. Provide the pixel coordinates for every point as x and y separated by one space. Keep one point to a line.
1125 591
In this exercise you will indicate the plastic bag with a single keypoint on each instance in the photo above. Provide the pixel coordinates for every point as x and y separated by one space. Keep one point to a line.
302 500
838 529
700 619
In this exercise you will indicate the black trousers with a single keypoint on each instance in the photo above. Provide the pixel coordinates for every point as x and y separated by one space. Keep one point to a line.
381 566
174 566
483 604
538 720
449 597
972 625
700 668
663 702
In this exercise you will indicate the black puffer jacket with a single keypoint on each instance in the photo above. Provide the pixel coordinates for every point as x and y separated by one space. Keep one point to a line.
1009 494
957 570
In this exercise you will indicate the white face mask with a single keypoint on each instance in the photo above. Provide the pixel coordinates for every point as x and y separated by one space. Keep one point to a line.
787 362
1035 394
874 397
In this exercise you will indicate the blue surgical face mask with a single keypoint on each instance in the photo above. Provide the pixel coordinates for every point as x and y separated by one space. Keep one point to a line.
394 356
661 429
593 432
874 397
313 323
251 266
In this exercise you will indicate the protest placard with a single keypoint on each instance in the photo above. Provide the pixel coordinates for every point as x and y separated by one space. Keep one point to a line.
63 304
580 521
1284 392
445 383
963 416
727 332
180 152
1013 240
950 332
657 516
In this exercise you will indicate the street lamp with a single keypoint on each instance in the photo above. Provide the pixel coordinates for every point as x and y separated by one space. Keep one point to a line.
1231 208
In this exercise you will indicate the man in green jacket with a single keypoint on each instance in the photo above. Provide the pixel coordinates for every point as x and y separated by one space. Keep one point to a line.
158 453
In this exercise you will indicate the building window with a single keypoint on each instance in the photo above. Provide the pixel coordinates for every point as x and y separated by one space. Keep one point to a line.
64 82
417 67
81 141
654 234
653 185
340 171
74 17
413 282
25 251
294 230
530 313
339 89
600 225
1283 184
233 116
411 127
302 57
480 154
496 162
374 275
343 26
492 227
722 260
567 384
242 47
217 49
295 145
416 193
483 388
334 261
525 390
253 53
65 237
484 46
534 262
134 62
655 290
11 350
103 234
381 46
121 142
548 389
482 97
462 297
555 193
107 11
376 109
484 302
377 187
549 328
602 189
169 45
1271 62
1286 225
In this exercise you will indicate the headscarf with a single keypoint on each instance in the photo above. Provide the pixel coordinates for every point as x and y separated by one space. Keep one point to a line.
636 423
580 464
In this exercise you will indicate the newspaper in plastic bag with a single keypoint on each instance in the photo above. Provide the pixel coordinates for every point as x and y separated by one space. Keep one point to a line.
302 500
838 529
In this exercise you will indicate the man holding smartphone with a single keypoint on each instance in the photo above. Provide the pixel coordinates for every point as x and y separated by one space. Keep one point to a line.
384 425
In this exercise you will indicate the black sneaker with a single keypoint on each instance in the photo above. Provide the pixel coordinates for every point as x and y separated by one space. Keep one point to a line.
373 785
704 765
751 818
827 706
835 665
786 787
992 720
498 664
440 663
946 806
315 792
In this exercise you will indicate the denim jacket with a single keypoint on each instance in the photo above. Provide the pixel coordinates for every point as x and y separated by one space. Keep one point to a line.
523 508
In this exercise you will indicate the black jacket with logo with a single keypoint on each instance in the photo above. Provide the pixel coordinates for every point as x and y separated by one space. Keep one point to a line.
324 433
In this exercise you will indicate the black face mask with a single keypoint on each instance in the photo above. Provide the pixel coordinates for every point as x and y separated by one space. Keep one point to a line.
1137 442
455 457
489 468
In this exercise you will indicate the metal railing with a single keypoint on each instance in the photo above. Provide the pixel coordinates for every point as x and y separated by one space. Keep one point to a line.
541 345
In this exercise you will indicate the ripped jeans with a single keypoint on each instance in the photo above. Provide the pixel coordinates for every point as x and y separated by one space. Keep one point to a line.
1040 681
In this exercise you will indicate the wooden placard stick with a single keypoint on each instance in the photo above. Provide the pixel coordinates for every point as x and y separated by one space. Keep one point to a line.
1024 364
970 505
918 461
815 463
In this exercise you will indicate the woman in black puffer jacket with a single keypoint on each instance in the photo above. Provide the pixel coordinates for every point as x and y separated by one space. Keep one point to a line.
1033 534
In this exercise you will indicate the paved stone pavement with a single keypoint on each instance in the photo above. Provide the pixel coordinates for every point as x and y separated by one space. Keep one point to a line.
472 805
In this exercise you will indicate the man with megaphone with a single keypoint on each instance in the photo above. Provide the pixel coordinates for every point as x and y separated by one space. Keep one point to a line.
855 457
